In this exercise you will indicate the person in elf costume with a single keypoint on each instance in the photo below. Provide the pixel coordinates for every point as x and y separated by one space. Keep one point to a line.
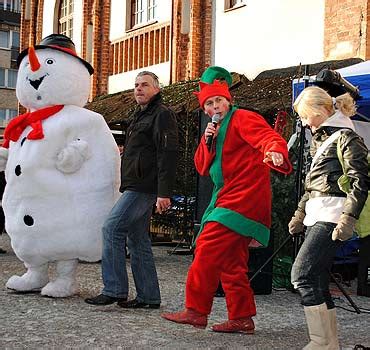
243 150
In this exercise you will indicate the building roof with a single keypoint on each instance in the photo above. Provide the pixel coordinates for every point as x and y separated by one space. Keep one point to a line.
268 93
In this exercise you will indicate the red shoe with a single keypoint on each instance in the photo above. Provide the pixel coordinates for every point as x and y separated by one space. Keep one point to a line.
243 325
187 316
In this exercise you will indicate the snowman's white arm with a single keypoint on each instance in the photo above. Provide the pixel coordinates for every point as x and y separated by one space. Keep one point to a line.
4 152
71 157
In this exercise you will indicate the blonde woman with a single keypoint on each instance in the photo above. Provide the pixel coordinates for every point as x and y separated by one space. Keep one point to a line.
328 213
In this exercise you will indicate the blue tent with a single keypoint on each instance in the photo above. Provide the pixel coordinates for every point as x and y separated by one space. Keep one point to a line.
359 76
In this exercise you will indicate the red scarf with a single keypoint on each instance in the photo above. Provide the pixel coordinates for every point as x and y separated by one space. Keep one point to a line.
17 125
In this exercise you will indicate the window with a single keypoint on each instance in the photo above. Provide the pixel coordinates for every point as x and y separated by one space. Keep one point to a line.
229 4
66 18
143 11
8 78
2 77
15 39
10 5
6 115
4 39
9 39
12 78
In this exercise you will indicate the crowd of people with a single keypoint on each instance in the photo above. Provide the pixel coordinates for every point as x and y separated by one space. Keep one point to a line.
238 150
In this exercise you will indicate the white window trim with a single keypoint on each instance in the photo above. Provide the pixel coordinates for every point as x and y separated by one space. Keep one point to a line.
6 79
145 14
66 19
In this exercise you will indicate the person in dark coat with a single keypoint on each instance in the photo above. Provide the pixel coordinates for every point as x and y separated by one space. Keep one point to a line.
147 178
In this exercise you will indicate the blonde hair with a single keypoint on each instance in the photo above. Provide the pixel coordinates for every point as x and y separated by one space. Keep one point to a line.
313 99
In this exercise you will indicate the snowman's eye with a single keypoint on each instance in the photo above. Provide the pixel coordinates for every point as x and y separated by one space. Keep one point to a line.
49 61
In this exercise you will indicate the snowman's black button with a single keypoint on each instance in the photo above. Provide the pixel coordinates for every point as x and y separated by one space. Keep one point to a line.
18 170
28 220
22 142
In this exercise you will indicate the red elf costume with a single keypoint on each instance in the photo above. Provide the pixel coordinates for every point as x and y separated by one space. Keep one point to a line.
239 212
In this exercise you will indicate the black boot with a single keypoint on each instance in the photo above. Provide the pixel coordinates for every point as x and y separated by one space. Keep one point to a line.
102 299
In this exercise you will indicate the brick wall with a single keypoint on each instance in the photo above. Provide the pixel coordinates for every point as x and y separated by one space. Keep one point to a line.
8 99
346 32
191 53
5 58
100 19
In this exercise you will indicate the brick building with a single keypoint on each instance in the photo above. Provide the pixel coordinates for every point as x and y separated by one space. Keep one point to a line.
9 48
177 39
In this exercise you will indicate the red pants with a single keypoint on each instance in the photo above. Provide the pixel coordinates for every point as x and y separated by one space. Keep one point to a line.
220 254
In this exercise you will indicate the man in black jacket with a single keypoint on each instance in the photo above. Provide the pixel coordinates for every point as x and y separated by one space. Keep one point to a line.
147 176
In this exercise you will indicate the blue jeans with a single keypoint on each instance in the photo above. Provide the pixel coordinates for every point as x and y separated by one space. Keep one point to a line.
311 269
129 221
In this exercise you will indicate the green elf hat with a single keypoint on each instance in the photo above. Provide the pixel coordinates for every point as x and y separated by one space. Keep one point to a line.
215 72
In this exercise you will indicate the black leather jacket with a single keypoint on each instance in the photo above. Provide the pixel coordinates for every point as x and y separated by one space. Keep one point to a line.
322 179
150 157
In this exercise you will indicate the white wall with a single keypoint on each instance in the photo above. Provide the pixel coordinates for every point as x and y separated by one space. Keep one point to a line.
118 16
117 19
48 20
126 81
267 34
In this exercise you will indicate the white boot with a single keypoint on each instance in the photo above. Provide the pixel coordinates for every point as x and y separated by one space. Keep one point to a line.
334 344
318 323
33 280
65 283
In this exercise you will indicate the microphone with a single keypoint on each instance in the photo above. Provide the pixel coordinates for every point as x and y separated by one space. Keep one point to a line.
215 120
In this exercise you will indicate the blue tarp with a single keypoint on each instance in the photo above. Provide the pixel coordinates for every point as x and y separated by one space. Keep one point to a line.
359 76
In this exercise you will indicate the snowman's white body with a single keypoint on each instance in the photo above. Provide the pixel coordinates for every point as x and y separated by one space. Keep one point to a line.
59 189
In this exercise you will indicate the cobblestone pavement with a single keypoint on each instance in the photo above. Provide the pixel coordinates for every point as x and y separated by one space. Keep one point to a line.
35 322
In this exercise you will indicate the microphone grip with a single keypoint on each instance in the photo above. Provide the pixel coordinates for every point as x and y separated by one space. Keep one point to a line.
209 138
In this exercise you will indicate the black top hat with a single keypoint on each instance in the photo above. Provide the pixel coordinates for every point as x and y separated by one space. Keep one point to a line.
58 42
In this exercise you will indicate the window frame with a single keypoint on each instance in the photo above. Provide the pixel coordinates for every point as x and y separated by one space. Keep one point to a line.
65 17
147 11
10 39
6 78
11 5
233 4
8 115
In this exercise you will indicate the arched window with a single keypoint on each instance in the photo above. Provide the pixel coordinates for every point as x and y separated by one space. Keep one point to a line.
66 18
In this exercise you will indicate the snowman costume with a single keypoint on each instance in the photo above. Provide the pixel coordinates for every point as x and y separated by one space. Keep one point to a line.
62 169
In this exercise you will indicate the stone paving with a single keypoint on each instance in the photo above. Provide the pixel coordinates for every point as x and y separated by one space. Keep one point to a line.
30 321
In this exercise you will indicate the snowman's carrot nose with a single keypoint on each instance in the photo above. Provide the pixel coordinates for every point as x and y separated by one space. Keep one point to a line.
34 62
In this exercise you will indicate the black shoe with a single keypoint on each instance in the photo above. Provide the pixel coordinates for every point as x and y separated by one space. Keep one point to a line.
134 304
2 251
102 299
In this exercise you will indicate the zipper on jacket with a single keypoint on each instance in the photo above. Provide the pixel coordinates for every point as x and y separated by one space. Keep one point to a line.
165 140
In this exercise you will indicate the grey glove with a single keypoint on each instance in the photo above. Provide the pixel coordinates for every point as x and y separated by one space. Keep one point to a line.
296 223
344 229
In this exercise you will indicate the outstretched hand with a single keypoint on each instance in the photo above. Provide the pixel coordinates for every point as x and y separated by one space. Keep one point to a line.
275 157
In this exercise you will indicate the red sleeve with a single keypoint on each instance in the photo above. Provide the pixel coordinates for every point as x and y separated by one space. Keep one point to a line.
203 157
254 129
